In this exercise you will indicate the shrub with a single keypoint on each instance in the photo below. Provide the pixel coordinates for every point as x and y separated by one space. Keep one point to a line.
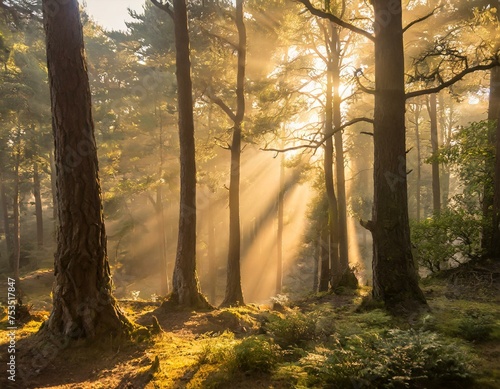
294 329
397 359
476 326
217 349
256 354
453 234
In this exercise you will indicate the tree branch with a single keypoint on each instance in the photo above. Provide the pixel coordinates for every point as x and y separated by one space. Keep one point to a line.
218 101
362 87
220 38
164 7
368 224
453 80
419 20
315 144
336 20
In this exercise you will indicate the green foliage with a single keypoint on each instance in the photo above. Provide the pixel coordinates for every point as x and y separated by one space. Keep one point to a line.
444 237
294 329
471 155
396 359
476 326
456 232
217 349
292 374
256 354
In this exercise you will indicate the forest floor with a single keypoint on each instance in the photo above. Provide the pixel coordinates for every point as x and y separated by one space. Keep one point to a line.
214 349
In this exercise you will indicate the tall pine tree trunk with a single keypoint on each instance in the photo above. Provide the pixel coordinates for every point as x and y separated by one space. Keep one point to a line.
185 284
418 184
348 278
212 259
279 238
317 261
234 293
53 187
436 186
16 215
333 217
446 131
162 241
83 306
38 205
6 220
160 212
395 278
324 258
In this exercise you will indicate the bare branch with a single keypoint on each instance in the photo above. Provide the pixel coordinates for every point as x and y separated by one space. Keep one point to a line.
315 144
220 144
336 20
453 80
419 20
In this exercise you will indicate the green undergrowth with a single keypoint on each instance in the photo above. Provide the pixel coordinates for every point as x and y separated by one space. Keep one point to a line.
322 341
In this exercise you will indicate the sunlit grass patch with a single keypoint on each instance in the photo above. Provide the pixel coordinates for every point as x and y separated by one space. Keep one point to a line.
471 320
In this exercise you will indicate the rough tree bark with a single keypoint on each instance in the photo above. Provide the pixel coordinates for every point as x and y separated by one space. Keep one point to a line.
494 115
394 275
53 187
83 306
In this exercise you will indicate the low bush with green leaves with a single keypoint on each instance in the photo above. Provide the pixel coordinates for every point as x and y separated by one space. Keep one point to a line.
476 326
453 234
294 329
256 354
397 359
